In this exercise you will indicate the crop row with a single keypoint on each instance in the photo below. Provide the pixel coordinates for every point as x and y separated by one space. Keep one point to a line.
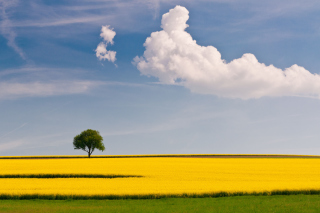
153 196
65 176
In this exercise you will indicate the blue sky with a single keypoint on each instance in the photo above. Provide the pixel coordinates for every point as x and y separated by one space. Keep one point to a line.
52 85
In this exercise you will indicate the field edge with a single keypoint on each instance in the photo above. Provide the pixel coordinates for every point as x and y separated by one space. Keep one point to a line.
165 155
155 196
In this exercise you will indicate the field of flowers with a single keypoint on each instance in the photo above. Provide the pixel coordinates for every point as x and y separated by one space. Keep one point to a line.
159 175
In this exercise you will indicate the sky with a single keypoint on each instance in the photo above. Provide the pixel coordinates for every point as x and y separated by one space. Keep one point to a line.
160 77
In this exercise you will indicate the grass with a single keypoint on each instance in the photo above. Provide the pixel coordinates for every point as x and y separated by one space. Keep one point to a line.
277 203
65 176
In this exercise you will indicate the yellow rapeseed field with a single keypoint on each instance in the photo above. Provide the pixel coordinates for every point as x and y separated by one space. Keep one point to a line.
161 175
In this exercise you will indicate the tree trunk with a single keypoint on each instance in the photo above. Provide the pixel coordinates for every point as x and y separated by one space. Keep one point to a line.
89 153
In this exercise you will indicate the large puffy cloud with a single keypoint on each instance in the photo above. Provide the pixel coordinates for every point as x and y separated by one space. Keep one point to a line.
174 57
101 52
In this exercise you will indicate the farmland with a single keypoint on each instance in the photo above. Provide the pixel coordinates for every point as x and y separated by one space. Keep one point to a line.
292 203
156 177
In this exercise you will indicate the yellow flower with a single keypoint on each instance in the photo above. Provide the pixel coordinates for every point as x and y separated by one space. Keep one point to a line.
161 175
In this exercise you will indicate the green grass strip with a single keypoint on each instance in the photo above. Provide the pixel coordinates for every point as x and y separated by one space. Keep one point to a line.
243 204
66 176
154 196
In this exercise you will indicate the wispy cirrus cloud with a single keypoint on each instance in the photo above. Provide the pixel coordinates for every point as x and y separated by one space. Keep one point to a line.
12 90
7 28
132 15
96 13
12 131
184 119
86 11
11 145
60 21
33 81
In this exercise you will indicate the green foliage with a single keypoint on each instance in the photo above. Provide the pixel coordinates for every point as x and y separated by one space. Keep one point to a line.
88 141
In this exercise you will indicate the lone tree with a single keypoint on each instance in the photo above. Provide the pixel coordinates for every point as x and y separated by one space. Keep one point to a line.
88 141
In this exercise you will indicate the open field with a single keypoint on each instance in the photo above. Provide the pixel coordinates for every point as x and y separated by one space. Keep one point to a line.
157 177
292 203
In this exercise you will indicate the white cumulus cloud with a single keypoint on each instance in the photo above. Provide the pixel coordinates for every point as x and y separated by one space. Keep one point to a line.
101 52
173 57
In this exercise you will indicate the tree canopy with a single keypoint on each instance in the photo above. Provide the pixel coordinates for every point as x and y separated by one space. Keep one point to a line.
88 141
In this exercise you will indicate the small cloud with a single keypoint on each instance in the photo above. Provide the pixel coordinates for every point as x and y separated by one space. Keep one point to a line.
174 58
101 52
107 34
